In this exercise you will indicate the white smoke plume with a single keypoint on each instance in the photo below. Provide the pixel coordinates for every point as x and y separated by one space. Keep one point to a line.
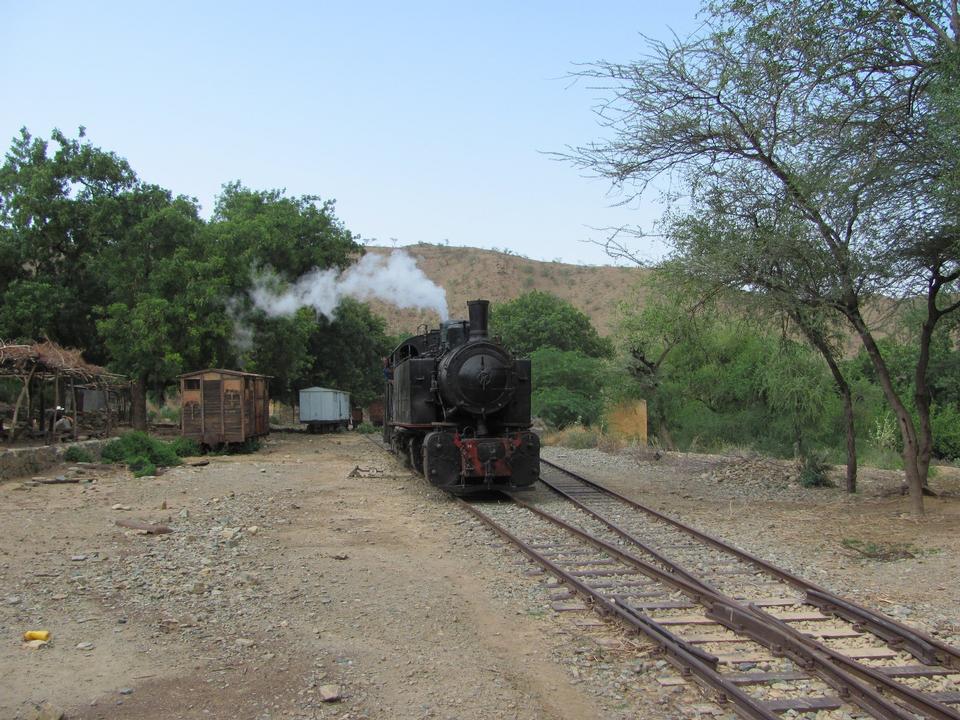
394 278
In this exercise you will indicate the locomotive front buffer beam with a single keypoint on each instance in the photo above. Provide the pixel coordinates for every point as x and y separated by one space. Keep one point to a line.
457 463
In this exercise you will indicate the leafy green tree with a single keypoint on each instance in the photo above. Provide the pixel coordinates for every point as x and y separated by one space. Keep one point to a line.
291 235
347 352
820 166
30 309
794 385
281 349
567 386
52 224
649 331
160 313
539 320
720 375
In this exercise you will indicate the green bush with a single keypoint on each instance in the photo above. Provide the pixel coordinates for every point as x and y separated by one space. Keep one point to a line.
561 407
144 469
140 453
77 454
813 471
185 447
945 422
367 428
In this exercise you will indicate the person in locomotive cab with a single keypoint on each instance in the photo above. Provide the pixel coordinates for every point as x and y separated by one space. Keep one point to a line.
387 370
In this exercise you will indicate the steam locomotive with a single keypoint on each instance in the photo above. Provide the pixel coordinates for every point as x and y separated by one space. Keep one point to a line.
458 406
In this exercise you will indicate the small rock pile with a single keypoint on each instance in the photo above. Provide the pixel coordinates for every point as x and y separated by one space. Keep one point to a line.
756 471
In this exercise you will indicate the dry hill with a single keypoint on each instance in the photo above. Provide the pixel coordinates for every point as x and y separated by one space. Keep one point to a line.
471 273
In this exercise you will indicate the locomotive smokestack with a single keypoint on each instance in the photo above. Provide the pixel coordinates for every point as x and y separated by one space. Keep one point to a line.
479 314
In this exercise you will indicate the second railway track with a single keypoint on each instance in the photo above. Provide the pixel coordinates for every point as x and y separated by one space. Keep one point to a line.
719 613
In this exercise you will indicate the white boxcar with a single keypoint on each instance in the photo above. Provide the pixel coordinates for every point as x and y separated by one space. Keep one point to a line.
324 409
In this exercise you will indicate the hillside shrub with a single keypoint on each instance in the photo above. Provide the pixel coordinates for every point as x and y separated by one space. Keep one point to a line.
140 452
946 431
813 471
185 447
77 454
142 467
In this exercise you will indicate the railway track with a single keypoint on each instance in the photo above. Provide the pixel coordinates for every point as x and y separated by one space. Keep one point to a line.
718 613
755 636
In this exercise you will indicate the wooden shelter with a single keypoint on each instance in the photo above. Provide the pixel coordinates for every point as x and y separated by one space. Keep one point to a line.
37 363
224 406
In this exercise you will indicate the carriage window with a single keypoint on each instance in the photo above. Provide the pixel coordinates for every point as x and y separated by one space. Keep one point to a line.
192 384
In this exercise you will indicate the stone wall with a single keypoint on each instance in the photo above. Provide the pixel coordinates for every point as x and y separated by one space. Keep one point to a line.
24 462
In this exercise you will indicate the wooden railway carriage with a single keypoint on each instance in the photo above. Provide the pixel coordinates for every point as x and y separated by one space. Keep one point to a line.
219 407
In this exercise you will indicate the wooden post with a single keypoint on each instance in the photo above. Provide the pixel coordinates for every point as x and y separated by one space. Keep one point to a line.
106 395
25 391
56 403
41 424
73 391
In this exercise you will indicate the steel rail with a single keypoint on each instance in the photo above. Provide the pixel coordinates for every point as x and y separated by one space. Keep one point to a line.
761 627
776 636
926 648
905 693
687 658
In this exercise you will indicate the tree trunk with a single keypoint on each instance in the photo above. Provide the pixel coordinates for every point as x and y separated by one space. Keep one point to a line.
73 391
907 431
24 392
921 394
138 404
851 483
820 342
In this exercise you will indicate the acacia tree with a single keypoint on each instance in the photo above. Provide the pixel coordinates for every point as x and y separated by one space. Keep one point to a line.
671 315
813 116
538 319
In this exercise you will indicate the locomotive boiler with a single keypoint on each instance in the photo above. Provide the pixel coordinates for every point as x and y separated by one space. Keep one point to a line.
458 407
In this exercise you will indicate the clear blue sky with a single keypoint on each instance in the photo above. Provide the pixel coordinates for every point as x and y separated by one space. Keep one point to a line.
425 121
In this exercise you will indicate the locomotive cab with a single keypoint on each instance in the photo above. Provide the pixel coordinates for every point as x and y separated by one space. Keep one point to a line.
459 407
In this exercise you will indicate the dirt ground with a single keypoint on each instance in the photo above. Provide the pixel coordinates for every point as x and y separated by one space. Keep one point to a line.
317 578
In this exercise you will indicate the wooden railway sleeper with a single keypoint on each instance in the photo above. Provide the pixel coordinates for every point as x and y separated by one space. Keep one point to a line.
919 644
830 665
677 652
892 632
807 652
924 703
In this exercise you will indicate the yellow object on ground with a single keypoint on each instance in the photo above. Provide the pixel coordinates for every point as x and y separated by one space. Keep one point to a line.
36 635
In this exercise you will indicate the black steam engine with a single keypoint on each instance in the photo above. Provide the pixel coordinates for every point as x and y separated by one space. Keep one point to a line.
458 406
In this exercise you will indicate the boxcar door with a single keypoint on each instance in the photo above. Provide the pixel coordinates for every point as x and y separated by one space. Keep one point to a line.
233 409
212 410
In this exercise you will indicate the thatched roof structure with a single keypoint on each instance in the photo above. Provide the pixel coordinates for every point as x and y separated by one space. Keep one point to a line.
47 359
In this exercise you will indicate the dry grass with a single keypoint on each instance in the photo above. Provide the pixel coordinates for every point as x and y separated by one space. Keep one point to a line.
578 437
